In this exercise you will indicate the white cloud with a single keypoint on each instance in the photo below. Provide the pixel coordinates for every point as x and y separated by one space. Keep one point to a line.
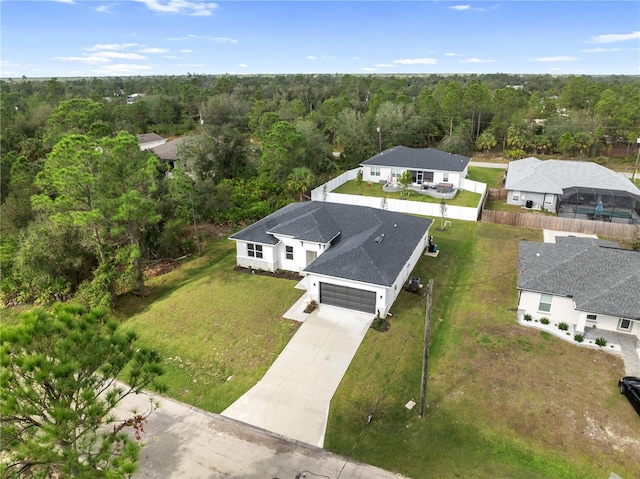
120 55
475 60
242 65
311 57
615 37
110 46
185 50
153 50
183 7
200 37
601 50
417 61
368 69
461 8
84 59
556 59
103 9
453 55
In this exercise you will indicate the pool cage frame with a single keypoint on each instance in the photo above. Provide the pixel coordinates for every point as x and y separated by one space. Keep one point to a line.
602 204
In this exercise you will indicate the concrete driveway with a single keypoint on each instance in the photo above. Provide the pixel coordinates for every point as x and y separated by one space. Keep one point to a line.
292 399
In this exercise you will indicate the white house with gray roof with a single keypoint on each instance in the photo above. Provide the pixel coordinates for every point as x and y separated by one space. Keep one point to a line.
353 257
584 282
428 166
571 188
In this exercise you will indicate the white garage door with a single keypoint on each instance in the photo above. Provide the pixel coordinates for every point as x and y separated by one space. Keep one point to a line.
350 298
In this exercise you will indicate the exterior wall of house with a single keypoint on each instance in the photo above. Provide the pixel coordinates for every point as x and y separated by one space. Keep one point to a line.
605 322
404 275
385 175
382 292
563 309
152 144
545 201
268 262
300 256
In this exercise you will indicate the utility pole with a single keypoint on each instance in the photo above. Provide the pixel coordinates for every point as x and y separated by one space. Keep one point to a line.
427 340
635 168
379 139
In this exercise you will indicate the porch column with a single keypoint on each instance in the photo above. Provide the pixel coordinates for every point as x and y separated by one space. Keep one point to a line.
582 322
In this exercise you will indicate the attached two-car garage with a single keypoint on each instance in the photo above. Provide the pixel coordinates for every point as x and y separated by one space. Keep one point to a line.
350 298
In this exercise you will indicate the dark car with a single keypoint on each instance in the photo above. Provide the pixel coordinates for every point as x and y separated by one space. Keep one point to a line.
630 387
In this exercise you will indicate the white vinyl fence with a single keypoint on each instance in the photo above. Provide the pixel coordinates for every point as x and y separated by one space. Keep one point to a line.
324 193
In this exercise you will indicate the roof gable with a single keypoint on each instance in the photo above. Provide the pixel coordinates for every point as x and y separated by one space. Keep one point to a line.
367 244
599 276
419 158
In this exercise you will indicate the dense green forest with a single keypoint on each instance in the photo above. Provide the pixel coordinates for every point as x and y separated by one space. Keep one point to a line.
84 210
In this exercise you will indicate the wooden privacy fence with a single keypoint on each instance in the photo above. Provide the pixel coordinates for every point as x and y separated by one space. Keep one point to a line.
497 194
524 220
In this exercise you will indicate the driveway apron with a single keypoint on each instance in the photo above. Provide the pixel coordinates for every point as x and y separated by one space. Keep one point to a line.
292 399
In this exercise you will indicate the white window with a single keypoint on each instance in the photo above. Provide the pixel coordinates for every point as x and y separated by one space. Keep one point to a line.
445 177
516 197
254 250
625 324
395 174
375 171
592 318
289 252
545 303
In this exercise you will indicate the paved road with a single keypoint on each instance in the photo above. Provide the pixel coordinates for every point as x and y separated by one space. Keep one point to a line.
183 442
293 397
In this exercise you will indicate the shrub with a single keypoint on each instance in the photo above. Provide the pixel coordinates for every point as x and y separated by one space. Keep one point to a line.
311 306
601 342
579 338
380 324
563 326
544 320
528 317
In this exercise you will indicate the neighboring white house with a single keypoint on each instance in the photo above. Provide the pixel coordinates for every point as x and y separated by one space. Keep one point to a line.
353 257
541 184
584 282
428 166
150 140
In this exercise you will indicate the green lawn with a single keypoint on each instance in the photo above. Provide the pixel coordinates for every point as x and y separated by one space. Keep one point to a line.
218 329
491 176
503 400
463 198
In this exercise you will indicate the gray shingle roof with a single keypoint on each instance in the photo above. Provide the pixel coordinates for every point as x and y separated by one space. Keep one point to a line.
419 158
354 253
149 138
552 176
599 276
168 151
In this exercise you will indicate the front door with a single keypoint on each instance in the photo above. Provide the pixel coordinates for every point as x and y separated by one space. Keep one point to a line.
419 177
311 256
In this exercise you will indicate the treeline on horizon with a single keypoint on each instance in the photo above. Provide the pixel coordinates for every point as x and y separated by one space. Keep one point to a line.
84 210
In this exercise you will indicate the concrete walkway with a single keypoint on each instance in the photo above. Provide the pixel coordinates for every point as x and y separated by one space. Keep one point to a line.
183 442
629 347
293 397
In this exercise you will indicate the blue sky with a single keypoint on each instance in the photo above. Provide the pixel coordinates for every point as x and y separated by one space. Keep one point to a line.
174 37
